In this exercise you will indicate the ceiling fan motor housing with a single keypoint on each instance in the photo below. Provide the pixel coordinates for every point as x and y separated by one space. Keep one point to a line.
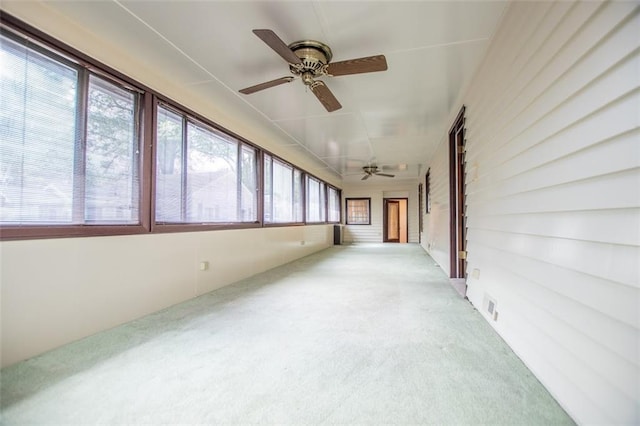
315 57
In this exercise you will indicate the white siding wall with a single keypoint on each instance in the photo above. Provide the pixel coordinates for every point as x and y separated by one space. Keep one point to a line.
553 198
378 192
435 235
57 291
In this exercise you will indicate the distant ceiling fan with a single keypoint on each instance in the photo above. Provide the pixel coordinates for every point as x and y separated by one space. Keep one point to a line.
309 59
373 170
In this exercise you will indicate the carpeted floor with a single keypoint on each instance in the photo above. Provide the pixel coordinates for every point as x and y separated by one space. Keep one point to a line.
364 334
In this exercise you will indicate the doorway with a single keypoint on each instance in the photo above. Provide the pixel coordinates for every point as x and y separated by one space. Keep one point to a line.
458 266
395 220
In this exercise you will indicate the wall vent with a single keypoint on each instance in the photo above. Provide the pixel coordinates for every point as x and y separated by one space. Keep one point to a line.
490 306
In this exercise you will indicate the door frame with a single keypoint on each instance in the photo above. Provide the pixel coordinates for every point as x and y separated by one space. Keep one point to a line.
458 230
385 223
420 214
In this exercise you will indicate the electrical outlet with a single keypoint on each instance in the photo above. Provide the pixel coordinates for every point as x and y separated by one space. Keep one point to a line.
204 266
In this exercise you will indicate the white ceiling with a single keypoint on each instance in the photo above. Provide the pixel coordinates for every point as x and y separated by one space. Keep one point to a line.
392 118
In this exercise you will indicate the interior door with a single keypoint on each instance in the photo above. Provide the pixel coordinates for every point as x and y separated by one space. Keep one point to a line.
392 221
457 198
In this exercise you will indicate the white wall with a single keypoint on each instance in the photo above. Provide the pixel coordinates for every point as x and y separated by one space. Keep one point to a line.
378 192
553 199
435 234
56 291
60 290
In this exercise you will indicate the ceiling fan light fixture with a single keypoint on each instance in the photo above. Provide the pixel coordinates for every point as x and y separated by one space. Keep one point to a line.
308 59
307 78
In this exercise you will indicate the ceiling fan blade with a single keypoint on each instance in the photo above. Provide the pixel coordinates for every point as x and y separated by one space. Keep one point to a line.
357 66
325 96
266 85
385 175
365 177
279 46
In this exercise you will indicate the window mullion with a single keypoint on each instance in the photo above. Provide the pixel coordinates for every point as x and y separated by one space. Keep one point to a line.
80 160
305 201
259 167
239 177
136 157
272 204
183 196
293 195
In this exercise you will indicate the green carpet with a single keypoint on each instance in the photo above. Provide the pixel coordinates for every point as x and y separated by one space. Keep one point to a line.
364 334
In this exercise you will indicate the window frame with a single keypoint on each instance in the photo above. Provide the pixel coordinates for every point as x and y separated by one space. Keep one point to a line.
149 99
294 169
32 38
339 200
189 116
346 207
322 201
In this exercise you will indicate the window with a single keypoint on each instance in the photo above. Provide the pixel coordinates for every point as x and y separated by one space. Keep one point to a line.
358 211
316 205
70 141
333 205
282 192
86 150
202 174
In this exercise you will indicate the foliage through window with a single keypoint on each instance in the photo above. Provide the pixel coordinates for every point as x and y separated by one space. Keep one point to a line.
358 211
70 143
202 174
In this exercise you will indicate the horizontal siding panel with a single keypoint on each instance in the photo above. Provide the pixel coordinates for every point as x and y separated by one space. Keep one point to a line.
621 118
601 93
567 91
520 27
572 295
579 332
577 225
496 73
542 90
563 33
622 153
607 261
532 350
611 403
436 236
362 233
537 54
615 191
553 201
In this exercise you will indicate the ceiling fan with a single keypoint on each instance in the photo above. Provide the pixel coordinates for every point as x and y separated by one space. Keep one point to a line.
309 59
373 170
